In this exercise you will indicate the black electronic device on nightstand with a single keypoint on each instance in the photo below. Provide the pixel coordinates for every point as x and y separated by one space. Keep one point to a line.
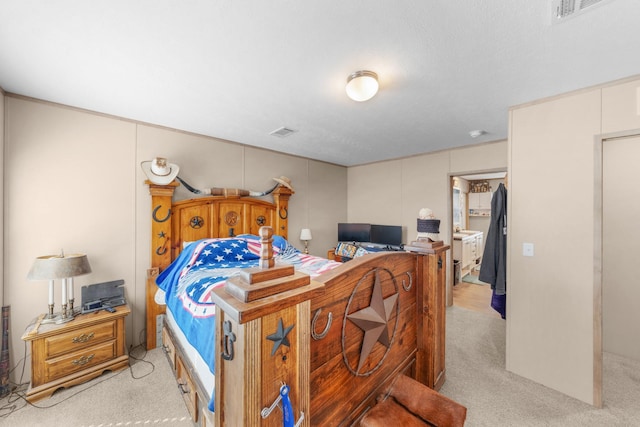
102 296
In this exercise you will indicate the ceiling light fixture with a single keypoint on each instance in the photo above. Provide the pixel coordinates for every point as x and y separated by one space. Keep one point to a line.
362 85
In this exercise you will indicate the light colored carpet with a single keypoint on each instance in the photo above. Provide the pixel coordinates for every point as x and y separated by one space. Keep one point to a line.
145 394
475 357
475 360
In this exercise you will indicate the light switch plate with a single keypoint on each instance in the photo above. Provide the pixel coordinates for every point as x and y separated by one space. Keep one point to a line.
527 249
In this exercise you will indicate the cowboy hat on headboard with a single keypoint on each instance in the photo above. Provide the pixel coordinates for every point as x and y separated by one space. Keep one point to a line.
159 171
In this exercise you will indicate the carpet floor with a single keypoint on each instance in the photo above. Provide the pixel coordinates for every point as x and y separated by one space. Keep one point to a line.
147 394
476 377
144 394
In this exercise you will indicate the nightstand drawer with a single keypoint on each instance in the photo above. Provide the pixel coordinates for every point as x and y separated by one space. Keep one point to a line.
77 361
79 339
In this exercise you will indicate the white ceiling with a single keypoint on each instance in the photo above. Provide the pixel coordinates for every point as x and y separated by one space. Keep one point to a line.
238 70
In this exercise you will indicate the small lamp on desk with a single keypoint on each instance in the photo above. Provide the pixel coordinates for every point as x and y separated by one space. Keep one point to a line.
305 236
65 267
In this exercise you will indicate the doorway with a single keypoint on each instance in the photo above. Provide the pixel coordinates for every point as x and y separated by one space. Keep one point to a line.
470 218
617 244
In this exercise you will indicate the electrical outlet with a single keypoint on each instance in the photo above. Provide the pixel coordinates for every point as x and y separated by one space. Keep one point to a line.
527 249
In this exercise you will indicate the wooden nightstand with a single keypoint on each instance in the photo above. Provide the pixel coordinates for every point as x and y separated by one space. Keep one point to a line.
74 352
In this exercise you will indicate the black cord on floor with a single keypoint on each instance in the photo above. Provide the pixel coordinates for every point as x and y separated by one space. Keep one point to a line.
140 358
18 392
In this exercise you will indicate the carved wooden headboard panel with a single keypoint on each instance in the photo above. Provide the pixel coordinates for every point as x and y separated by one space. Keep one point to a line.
212 216
216 217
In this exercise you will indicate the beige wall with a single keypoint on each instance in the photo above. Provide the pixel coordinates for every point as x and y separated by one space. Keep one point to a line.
73 181
553 304
550 297
393 192
67 181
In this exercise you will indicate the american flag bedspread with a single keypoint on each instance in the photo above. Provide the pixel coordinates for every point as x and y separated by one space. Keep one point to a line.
205 265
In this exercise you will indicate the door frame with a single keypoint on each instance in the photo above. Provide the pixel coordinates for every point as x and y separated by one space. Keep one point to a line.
449 233
598 347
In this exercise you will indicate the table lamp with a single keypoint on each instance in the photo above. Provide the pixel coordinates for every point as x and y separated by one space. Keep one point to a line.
305 236
65 267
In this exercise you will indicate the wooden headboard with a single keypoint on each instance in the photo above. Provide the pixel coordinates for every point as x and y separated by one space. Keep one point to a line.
174 223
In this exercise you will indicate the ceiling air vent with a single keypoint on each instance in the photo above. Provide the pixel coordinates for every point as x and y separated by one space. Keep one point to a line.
563 9
282 132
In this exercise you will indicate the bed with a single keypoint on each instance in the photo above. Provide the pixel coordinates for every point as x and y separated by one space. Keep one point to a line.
339 370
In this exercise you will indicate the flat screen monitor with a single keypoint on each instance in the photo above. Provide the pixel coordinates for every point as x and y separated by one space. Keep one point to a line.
354 232
386 234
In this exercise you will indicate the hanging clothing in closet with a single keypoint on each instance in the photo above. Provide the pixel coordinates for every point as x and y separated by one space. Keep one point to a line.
493 269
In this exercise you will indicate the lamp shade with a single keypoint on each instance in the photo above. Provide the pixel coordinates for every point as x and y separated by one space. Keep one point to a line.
51 267
362 85
305 234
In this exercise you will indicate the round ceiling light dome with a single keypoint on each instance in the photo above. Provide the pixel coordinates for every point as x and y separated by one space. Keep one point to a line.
362 85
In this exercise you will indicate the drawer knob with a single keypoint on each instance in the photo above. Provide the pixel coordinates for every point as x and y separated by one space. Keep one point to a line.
83 360
83 338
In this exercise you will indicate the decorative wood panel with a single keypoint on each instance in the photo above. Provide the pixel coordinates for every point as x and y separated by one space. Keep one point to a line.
231 219
259 216
195 222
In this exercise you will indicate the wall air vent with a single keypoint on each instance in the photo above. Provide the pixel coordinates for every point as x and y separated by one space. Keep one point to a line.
563 9
282 132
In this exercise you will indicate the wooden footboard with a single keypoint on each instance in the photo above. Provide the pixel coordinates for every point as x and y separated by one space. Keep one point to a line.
350 364
374 322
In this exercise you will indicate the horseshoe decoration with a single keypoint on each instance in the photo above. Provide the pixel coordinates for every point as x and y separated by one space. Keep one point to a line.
285 215
155 214
229 339
161 250
407 287
318 336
